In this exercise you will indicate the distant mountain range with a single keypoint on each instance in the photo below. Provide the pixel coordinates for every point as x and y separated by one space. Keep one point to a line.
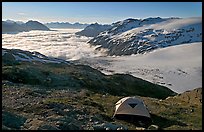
11 21
66 25
93 30
10 26
133 36
130 36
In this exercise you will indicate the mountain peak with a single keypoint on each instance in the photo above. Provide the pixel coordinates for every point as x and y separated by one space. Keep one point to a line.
32 21
10 26
95 23
93 30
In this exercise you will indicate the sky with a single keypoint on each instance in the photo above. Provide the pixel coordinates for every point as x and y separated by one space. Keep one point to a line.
101 12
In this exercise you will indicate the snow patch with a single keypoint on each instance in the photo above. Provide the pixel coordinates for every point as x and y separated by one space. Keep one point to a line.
18 58
177 67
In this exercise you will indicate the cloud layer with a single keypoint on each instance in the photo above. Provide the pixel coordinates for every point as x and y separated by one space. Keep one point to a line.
61 43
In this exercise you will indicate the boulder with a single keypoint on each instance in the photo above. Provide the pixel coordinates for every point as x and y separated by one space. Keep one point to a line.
109 126
153 127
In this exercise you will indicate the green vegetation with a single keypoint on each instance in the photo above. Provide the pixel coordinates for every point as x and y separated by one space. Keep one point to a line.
79 76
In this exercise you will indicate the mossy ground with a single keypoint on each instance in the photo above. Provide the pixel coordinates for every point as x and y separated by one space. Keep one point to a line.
169 114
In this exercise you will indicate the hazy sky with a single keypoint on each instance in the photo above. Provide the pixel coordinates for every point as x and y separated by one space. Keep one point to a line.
101 12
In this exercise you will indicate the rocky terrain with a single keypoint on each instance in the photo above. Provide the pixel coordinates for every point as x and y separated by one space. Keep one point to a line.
133 36
58 95
15 27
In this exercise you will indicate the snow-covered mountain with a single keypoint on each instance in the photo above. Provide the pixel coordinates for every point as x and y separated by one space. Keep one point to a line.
15 27
12 21
133 36
76 25
130 23
93 30
17 55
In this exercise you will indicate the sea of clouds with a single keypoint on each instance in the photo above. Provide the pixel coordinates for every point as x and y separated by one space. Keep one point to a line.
177 67
60 43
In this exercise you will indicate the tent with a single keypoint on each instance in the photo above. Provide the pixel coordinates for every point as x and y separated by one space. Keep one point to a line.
132 109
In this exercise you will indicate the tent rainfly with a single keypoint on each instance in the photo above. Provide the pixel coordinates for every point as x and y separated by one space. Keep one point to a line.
131 108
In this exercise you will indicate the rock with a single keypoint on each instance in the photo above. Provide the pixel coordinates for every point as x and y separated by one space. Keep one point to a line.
80 118
35 123
5 128
66 110
98 127
96 122
28 120
109 126
153 127
59 123
120 128
47 127
139 128
69 126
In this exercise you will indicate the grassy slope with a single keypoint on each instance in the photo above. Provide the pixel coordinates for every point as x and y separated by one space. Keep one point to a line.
80 76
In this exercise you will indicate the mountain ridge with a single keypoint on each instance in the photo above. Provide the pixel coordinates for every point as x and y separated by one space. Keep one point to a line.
14 27
131 37
76 25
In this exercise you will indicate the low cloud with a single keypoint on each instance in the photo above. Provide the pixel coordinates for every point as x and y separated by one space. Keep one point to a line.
61 43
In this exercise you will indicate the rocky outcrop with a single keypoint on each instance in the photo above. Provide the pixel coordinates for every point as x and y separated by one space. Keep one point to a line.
109 126
191 96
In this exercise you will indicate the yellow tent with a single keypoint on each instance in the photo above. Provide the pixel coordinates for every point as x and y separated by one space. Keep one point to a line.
132 108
